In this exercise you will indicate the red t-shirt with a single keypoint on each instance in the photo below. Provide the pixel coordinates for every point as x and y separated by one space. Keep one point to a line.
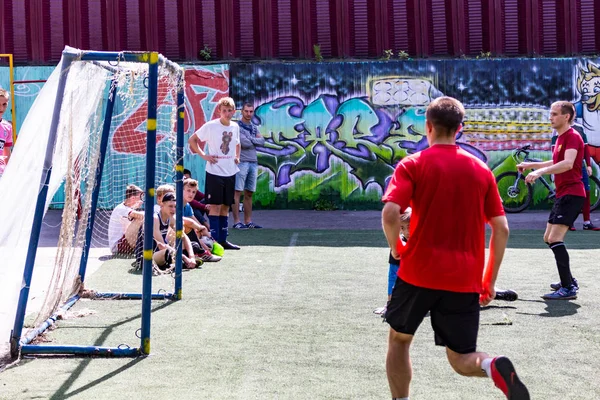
569 182
452 195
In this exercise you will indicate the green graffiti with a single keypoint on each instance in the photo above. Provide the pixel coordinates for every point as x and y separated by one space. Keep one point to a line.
358 120
277 122
316 117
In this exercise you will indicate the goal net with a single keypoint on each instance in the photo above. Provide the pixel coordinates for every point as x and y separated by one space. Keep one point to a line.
78 152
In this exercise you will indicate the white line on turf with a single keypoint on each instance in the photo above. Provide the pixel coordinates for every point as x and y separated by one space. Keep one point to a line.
285 265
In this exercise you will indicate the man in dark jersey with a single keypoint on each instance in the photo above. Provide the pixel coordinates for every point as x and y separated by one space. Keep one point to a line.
443 262
566 165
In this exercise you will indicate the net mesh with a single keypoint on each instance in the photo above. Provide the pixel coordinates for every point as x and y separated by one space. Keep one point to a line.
74 164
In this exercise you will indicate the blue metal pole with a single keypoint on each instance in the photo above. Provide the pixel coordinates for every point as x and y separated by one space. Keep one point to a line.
110 106
81 350
49 322
150 191
131 296
179 180
39 209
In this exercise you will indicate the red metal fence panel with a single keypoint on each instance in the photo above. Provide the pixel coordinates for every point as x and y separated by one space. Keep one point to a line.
36 31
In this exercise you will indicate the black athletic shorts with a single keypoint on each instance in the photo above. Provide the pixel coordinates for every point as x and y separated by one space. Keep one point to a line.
454 316
219 189
565 210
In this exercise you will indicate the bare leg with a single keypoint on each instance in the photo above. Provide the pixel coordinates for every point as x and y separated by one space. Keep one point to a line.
236 206
398 365
467 364
133 231
248 206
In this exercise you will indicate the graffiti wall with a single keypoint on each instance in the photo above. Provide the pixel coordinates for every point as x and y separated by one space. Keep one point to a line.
335 131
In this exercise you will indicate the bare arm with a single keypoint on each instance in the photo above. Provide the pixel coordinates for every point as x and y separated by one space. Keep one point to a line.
391 222
138 215
197 147
558 168
524 166
498 241
192 223
238 149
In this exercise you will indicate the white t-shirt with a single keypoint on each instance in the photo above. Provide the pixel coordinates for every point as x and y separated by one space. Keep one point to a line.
117 225
221 141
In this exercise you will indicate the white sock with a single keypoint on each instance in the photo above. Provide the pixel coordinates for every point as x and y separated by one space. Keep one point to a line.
486 366
586 222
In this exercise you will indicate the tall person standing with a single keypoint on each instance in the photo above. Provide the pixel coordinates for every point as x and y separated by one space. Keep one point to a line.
566 165
245 180
218 143
452 195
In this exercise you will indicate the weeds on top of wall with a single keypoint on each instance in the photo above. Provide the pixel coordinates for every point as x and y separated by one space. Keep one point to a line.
205 53
317 50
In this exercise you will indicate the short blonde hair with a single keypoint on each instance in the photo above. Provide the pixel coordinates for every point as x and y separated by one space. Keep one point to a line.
5 93
164 189
190 182
227 102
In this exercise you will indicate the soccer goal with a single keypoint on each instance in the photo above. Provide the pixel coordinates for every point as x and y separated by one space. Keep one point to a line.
103 120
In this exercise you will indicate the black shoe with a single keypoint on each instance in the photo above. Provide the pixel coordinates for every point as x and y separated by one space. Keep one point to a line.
505 378
229 246
506 295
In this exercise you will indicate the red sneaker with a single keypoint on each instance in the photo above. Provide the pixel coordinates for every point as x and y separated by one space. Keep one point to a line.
505 378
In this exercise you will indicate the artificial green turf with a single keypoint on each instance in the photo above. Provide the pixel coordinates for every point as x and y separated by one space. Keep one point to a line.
290 316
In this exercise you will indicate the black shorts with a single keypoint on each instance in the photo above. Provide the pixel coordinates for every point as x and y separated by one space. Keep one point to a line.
454 316
219 189
565 210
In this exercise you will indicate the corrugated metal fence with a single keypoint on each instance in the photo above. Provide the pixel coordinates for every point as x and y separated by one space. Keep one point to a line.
36 31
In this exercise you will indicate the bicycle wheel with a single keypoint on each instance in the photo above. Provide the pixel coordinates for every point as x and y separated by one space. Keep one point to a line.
594 193
516 195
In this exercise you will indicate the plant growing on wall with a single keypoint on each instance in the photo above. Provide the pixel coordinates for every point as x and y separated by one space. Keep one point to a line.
403 55
387 54
205 53
317 50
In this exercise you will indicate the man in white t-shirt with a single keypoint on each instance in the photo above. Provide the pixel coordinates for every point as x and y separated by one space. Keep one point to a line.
125 222
218 143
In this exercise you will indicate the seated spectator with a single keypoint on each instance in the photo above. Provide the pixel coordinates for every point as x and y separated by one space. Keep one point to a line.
164 237
125 222
199 207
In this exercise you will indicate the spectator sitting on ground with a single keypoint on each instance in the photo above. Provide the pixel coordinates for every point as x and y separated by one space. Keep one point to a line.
198 233
164 238
125 222
199 206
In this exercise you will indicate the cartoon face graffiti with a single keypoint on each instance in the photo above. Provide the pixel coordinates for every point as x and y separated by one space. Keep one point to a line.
226 140
588 84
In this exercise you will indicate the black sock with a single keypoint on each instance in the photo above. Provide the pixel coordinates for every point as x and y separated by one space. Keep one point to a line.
562 263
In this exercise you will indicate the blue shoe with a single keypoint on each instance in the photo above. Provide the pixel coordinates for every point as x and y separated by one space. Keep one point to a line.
557 285
239 225
562 294
252 225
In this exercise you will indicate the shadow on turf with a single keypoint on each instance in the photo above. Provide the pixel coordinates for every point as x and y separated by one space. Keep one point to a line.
554 308
62 393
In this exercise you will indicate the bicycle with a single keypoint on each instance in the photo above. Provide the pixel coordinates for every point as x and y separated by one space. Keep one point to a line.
517 195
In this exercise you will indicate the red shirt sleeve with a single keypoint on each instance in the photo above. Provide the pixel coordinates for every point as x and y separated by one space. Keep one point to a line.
401 186
586 155
196 202
493 202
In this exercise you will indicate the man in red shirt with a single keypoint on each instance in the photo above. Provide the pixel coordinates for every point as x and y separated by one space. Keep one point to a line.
452 195
566 164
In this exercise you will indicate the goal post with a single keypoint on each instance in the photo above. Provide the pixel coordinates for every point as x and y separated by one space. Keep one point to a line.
84 184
